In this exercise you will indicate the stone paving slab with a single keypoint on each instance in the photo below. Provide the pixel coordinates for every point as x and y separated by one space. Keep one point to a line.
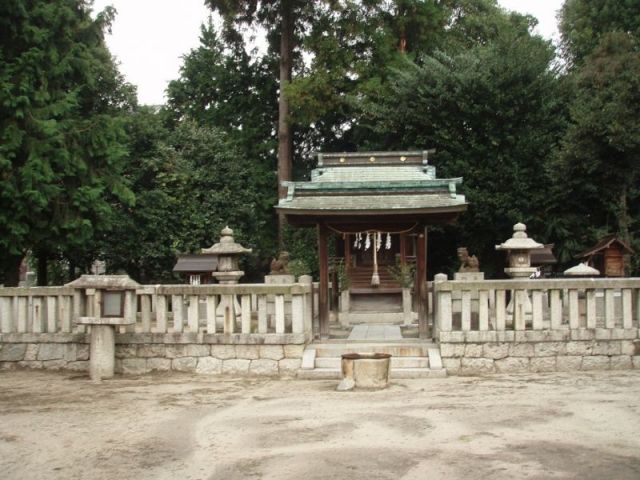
375 332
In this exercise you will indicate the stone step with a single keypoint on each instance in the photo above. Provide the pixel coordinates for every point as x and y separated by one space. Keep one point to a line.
396 362
396 373
395 349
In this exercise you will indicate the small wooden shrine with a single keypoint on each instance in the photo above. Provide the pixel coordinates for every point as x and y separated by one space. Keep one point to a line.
608 256
379 205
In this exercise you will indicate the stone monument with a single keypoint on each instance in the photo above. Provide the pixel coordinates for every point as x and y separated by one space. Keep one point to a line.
228 252
469 267
280 271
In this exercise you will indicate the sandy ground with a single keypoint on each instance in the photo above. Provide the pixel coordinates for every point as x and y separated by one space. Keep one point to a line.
61 426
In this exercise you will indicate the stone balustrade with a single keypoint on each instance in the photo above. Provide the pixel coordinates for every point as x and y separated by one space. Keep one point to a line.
537 325
241 329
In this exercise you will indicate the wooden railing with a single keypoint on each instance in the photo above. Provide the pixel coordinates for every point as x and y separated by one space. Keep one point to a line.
211 309
540 304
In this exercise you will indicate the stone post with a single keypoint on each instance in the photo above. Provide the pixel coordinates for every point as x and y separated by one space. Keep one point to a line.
103 351
438 278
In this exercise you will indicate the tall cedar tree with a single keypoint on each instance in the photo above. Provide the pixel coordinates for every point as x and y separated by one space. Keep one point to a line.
61 132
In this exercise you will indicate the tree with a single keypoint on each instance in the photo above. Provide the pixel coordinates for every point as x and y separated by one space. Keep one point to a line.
494 113
583 23
62 140
598 164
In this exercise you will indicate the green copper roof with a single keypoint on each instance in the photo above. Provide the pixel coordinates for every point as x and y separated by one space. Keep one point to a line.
357 183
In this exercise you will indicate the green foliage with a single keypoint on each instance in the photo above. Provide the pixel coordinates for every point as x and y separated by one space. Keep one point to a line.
62 139
301 243
299 267
494 113
344 282
598 159
404 274
583 23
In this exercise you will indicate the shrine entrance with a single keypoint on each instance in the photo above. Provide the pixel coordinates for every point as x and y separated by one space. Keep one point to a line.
377 206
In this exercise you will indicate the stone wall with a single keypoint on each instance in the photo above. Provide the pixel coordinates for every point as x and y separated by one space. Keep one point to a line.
478 353
272 355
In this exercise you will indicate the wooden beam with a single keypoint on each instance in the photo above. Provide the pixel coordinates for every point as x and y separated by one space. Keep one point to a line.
323 294
403 248
421 282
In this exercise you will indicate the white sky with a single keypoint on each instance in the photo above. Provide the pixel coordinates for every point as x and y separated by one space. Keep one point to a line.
149 37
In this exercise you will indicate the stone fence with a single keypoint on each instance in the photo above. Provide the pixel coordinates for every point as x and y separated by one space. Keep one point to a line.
537 325
242 329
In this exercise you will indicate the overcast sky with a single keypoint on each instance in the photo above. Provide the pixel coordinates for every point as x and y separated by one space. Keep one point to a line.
149 37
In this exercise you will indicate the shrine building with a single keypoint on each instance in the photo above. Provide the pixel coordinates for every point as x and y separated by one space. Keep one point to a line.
378 205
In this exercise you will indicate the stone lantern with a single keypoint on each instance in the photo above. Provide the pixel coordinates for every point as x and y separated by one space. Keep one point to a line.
228 253
110 303
519 248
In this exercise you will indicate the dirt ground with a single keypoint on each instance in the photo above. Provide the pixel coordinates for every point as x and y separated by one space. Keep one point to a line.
567 426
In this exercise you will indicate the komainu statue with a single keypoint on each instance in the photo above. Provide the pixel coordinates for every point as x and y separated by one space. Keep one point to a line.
281 265
468 263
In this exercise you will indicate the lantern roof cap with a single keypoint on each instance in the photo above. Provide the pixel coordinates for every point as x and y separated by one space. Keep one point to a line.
520 240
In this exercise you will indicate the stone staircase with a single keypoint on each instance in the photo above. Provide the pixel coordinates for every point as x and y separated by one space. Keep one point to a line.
409 358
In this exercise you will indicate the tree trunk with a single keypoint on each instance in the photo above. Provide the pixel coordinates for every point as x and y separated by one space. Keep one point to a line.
285 138
623 226
42 258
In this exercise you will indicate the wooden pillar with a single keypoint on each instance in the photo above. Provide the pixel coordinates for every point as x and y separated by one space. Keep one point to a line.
347 252
403 248
323 294
421 282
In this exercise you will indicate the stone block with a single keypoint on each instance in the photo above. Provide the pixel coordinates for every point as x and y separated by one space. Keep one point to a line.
452 365
13 352
8 365
603 334
51 351
506 336
611 347
32 352
636 361
79 366
158 364
293 351
209 366
583 334
271 352
473 350
175 351
569 363
289 366
195 350
126 351
58 364
223 352
618 334
535 335
452 350
480 336
151 351
184 364
134 366
70 352
33 364
250 352
476 366
542 364
579 348
521 350
631 333
628 347
82 352
558 335
550 349
117 366
233 366
264 367
621 362
495 351
599 362
512 365
453 337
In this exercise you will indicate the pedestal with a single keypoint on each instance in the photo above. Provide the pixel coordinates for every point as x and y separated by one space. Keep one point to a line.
103 352
279 279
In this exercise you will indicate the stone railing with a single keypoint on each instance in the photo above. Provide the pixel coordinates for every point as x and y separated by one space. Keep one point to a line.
175 327
537 325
